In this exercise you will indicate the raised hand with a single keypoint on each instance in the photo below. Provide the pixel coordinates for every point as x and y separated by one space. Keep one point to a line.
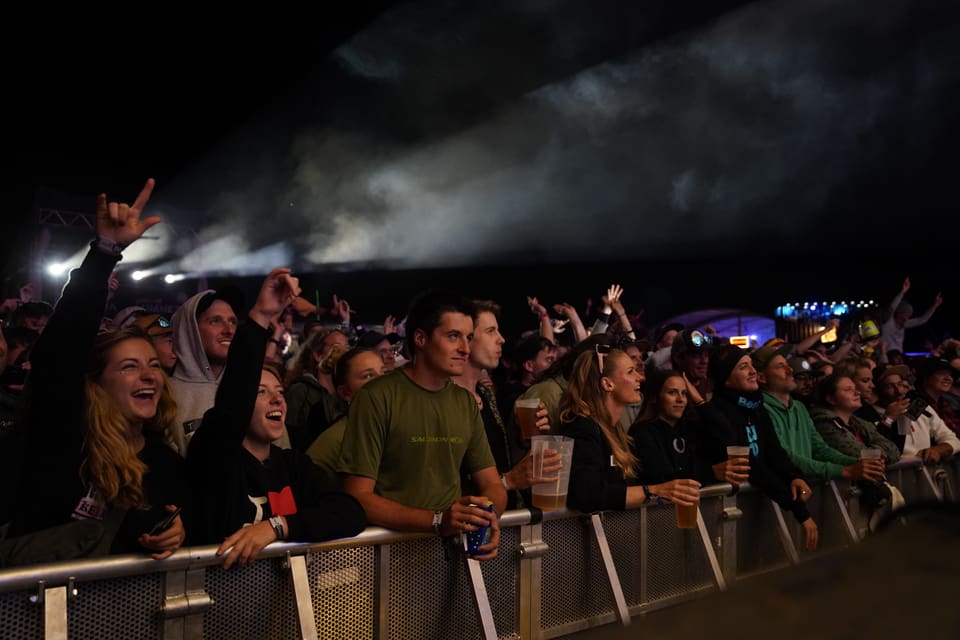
906 285
277 291
535 306
389 325
612 299
120 222
565 309
938 300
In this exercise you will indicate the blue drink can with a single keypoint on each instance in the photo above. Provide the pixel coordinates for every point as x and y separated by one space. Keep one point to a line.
480 537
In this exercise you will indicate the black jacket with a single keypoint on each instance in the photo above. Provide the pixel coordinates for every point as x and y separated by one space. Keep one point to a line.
231 488
665 452
54 427
771 471
595 483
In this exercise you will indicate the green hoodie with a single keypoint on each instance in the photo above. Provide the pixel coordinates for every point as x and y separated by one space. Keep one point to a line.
803 443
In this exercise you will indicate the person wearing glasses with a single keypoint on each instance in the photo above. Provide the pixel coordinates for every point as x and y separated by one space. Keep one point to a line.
604 472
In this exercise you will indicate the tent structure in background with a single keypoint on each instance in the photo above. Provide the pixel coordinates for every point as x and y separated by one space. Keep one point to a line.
730 323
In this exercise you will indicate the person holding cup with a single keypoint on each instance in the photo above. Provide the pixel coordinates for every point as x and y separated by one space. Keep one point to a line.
664 440
735 417
604 474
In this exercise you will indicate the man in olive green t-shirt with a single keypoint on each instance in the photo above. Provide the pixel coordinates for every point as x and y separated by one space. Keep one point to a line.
411 431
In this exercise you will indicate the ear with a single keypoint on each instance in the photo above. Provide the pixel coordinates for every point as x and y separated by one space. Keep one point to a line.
761 377
606 384
419 338
528 366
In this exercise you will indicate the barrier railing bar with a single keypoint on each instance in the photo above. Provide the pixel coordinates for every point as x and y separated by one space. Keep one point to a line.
644 554
708 549
300 582
844 514
601 537
785 536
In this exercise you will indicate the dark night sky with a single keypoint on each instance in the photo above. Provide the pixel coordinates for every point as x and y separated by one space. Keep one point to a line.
808 136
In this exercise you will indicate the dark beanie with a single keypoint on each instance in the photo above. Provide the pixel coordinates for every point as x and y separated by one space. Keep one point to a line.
722 362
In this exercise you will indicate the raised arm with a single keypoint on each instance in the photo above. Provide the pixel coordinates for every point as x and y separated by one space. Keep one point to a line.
568 310
546 329
237 392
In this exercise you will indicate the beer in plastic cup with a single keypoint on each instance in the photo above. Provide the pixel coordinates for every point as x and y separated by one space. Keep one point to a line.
738 452
871 453
552 494
686 516
527 416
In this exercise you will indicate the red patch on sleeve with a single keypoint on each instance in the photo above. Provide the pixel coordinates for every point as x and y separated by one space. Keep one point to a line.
282 503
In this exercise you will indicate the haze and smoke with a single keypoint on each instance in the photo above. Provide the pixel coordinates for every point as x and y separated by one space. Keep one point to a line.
742 128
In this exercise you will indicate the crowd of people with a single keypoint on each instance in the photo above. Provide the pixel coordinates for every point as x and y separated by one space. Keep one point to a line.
240 427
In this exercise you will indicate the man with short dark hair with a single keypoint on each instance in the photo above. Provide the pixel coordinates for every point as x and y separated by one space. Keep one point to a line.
413 430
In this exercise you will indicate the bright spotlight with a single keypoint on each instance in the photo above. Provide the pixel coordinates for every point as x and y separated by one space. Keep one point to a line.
170 278
139 275
57 268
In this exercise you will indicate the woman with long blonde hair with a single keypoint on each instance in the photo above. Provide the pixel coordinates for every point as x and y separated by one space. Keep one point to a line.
603 473
98 407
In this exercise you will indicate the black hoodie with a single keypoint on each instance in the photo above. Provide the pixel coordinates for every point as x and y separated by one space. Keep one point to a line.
231 488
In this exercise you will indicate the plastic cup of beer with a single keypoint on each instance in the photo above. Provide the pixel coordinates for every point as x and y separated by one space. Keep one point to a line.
526 410
552 493
686 516
871 453
737 451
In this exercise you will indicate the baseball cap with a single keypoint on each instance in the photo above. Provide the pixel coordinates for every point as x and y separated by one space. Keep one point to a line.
762 356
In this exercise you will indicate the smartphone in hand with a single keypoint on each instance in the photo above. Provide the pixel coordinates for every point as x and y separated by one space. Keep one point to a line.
165 523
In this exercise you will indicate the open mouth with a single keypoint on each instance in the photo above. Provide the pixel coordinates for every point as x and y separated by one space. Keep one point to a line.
275 416
144 394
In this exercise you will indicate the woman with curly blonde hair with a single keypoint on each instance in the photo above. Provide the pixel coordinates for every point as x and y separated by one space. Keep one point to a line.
604 470
98 408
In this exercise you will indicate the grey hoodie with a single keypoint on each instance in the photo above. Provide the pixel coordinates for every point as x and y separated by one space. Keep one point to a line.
194 383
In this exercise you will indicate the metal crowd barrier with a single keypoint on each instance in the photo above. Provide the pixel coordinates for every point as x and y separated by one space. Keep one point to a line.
553 577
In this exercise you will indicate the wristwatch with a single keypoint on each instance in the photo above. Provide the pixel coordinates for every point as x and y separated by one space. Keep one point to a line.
107 245
437 521
277 525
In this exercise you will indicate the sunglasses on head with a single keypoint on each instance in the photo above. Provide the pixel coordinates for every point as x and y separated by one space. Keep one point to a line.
602 350
161 322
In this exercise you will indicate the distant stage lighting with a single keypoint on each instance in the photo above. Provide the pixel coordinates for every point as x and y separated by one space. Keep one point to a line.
139 275
170 278
57 268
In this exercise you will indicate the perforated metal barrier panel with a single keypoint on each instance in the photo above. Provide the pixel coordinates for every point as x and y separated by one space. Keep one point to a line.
20 618
575 586
382 585
250 603
758 546
343 587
